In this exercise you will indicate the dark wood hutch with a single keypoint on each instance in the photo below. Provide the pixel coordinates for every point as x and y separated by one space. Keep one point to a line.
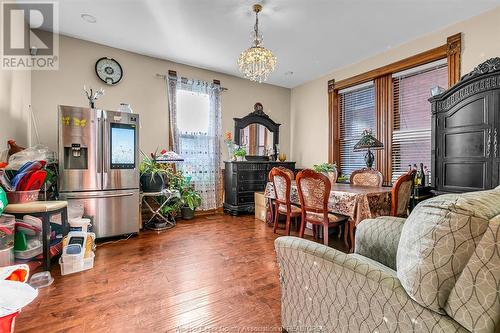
465 130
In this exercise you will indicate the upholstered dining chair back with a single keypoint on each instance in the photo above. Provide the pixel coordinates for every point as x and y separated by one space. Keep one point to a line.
282 184
367 177
288 171
314 191
401 193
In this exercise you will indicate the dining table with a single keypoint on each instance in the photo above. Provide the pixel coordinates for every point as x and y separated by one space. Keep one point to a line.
356 202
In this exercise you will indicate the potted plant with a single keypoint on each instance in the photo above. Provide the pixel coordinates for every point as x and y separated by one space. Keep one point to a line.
240 153
172 208
328 169
153 175
191 200
175 180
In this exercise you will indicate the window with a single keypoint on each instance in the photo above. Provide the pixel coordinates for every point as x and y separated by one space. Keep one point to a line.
195 115
401 90
411 133
193 112
357 112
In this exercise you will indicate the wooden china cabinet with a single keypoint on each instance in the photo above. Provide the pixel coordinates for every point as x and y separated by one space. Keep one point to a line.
466 132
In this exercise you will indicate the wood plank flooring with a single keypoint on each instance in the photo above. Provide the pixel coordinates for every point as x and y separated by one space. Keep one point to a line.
215 273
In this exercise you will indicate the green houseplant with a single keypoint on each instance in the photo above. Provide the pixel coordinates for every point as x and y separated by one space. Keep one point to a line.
325 167
191 200
187 202
240 153
153 175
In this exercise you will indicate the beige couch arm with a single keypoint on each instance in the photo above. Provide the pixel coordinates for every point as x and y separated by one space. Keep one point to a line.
325 290
378 239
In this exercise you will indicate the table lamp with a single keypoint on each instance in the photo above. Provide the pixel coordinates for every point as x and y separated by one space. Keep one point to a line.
368 142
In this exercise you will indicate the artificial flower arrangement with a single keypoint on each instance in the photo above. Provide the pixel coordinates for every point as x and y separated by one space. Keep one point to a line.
231 146
234 151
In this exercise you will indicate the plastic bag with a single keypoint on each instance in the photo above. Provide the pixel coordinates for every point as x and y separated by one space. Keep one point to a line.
4 156
35 153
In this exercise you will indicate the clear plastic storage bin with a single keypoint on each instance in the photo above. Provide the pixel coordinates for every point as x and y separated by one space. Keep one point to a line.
7 231
77 265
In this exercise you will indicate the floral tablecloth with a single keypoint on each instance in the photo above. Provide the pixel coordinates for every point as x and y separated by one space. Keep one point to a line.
356 202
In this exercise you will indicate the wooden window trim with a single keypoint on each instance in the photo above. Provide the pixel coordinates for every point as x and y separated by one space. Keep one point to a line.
333 123
382 78
384 122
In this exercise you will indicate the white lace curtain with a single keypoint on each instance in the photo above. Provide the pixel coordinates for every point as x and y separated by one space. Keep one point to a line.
200 150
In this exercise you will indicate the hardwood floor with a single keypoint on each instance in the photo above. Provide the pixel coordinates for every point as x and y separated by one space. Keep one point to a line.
216 273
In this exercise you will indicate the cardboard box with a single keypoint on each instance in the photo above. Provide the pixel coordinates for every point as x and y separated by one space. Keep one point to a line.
260 206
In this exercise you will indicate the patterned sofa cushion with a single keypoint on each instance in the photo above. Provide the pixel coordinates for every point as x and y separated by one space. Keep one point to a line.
437 241
474 302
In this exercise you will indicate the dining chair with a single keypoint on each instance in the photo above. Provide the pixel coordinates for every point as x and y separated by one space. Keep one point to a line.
288 171
282 183
401 193
314 192
367 177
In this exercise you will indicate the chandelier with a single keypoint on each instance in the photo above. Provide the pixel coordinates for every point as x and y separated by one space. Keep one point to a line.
257 62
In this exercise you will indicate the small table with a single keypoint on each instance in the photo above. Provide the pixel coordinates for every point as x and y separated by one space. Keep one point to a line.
156 213
419 194
354 201
43 210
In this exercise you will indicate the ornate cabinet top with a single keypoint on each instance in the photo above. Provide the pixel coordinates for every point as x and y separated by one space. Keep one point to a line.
484 77
489 66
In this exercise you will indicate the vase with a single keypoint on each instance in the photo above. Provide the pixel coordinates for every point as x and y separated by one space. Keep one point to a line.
230 151
332 176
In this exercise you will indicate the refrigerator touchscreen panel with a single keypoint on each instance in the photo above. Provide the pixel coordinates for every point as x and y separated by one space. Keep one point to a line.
122 146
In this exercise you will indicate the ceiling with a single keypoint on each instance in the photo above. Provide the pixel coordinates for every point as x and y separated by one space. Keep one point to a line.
309 37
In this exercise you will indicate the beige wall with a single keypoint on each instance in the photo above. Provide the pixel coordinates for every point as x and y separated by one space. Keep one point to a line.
309 102
15 99
146 93
14 106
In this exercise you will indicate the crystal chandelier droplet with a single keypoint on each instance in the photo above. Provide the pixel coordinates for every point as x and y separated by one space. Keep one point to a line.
257 62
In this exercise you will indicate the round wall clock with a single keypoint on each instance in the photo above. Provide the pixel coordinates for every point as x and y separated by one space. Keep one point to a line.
109 70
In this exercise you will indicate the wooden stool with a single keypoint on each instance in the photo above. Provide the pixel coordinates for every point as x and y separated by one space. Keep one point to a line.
43 210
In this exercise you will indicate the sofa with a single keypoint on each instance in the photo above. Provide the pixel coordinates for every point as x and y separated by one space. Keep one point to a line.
436 271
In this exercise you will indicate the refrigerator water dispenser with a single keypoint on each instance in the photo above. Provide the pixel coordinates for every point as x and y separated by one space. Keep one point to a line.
75 157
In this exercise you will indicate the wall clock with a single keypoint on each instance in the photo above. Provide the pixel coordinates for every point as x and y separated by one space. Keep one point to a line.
109 70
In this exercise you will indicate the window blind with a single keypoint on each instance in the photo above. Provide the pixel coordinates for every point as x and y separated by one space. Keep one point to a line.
411 133
357 112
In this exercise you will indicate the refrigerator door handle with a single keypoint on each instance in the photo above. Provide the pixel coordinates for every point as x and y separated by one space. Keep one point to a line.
99 145
105 140
98 196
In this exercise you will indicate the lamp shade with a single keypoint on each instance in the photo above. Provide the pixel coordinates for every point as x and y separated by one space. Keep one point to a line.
169 156
368 141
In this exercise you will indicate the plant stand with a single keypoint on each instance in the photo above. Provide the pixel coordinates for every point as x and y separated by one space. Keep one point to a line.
164 223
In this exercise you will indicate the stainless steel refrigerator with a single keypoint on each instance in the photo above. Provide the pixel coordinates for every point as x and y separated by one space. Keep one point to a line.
99 168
